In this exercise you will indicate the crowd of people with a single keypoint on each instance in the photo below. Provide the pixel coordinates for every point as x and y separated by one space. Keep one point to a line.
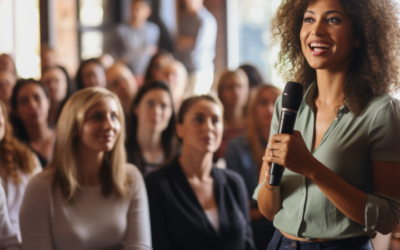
152 151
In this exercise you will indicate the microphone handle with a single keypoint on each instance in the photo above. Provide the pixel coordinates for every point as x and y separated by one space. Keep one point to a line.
286 126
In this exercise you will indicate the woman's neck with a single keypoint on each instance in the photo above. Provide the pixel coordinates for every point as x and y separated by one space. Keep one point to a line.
39 133
330 87
148 140
195 164
233 116
89 165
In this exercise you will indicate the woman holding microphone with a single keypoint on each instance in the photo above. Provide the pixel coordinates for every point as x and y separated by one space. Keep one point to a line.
342 163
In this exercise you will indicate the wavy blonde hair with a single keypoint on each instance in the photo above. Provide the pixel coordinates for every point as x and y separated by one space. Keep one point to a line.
14 154
253 130
113 174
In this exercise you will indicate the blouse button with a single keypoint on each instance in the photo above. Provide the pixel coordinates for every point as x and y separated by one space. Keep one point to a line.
293 245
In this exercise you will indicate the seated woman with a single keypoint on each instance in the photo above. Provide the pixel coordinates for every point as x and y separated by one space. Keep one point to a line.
58 85
153 141
155 70
193 204
244 155
90 74
233 90
8 236
30 107
17 165
88 197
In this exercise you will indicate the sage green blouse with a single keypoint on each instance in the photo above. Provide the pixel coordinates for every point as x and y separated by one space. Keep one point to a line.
348 147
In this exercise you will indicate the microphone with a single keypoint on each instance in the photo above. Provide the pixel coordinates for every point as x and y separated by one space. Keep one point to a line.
291 100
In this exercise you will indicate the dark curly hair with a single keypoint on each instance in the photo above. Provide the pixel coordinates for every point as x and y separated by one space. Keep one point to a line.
374 69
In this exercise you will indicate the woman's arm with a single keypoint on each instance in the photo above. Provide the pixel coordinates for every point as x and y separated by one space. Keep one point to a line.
34 216
138 236
348 199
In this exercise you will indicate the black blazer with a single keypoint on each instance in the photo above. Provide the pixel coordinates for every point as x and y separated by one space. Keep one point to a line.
178 221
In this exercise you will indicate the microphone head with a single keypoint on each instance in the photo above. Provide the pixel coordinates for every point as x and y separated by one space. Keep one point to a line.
292 96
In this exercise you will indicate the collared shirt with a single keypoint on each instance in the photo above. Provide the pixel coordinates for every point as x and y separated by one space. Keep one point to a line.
203 28
348 148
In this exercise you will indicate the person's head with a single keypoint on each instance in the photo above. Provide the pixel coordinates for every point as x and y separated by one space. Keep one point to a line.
92 121
7 63
57 83
193 6
30 105
106 60
7 83
177 77
341 35
233 89
253 75
154 111
48 57
156 65
90 74
13 153
140 10
121 81
200 124
154 108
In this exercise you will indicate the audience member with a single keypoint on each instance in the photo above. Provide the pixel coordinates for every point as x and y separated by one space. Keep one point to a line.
153 141
106 60
8 237
193 204
195 45
30 106
90 74
177 77
244 155
121 81
156 65
233 89
47 57
88 197
58 85
7 63
135 42
253 75
7 83
17 166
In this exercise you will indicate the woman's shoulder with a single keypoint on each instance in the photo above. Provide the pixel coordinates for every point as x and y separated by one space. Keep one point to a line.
161 175
40 183
382 105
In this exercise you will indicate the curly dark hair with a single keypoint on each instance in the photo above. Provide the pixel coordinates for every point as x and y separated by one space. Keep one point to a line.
375 66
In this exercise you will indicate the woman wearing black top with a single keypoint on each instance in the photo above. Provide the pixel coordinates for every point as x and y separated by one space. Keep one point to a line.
193 204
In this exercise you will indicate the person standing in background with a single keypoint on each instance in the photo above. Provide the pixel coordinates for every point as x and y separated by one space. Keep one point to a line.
135 42
195 45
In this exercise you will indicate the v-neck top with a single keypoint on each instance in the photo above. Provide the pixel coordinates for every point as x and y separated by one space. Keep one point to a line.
348 148
179 222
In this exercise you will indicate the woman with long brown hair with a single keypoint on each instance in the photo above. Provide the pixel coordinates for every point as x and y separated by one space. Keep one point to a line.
340 186
17 165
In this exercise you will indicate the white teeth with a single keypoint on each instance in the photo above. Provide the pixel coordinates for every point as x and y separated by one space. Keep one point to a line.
319 45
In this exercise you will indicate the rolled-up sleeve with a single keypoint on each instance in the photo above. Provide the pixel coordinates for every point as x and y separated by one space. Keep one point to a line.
382 213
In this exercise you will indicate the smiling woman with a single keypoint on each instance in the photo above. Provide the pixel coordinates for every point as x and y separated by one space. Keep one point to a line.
87 178
340 186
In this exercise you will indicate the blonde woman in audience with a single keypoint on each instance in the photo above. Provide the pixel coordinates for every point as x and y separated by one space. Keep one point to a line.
233 91
7 83
30 107
57 83
90 74
153 141
244 155
88 197
8 236
193 204
17 165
